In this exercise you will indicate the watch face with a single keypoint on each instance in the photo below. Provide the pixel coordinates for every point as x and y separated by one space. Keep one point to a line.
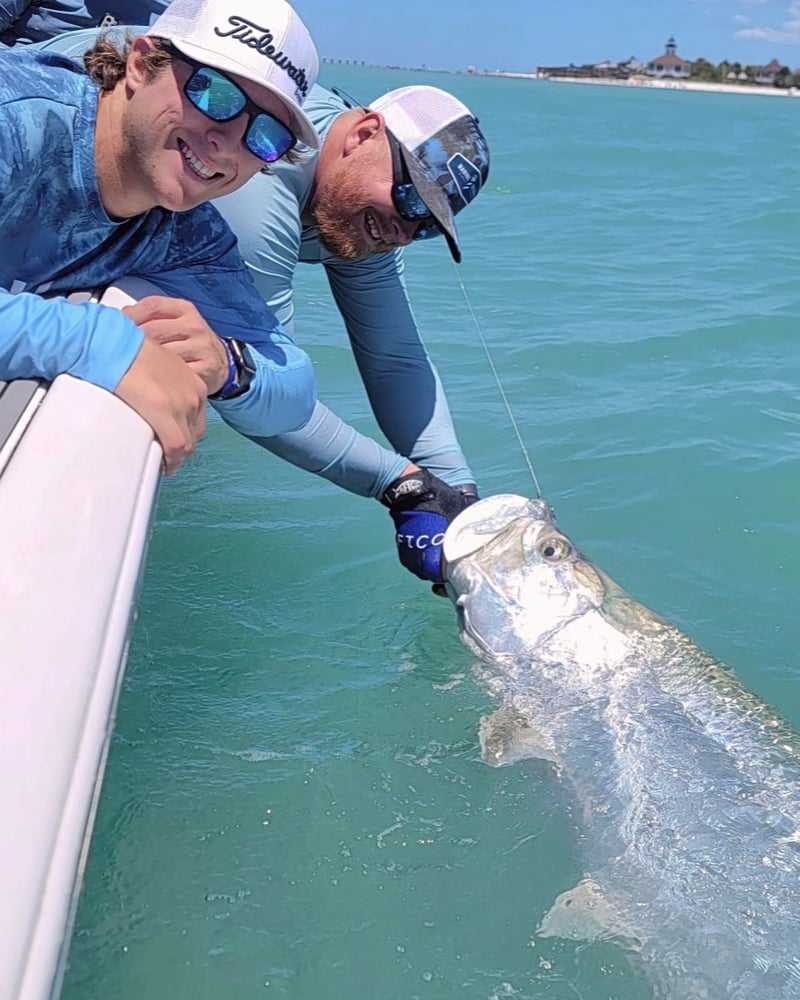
247 364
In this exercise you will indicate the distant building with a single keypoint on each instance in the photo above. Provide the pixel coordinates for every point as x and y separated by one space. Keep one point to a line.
767 74
669 65
631 66
593 71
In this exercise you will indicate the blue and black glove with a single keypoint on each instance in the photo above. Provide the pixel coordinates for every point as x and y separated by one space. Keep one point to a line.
422 506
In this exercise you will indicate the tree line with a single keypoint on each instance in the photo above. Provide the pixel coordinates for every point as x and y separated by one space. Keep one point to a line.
704 70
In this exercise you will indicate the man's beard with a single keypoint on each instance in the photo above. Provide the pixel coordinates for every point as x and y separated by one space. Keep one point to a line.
338 215
339 210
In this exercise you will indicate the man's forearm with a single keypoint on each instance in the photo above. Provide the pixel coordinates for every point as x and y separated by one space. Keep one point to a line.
280 398
45 337
329 447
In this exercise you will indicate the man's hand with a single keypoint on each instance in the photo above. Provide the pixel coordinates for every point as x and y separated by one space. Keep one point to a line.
422 506
170 397
178 326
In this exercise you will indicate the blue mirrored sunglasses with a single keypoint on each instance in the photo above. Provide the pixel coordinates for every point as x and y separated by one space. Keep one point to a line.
407 199
222 100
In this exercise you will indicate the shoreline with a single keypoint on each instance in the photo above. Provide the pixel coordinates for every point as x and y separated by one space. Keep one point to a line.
640 83
647 84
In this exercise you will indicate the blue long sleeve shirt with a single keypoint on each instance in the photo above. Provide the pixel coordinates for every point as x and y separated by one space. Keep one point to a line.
56 237
402 384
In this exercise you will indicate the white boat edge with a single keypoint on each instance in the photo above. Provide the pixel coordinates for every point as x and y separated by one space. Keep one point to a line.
77 497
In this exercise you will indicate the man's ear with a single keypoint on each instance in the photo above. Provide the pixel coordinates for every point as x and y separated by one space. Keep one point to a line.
367 126
136 68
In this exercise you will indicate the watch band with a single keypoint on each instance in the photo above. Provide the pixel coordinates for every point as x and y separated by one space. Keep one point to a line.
241 370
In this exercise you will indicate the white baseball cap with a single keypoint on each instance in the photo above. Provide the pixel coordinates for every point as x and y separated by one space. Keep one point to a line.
444 151
263 41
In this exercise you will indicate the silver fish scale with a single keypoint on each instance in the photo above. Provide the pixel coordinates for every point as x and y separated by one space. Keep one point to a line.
688 786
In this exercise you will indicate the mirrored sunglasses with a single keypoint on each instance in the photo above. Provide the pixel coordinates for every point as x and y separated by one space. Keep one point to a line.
407 199
220 99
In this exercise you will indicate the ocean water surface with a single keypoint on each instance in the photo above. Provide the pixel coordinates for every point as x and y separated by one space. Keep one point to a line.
295 804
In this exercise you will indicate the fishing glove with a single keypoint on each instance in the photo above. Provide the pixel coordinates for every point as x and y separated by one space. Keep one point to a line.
422 506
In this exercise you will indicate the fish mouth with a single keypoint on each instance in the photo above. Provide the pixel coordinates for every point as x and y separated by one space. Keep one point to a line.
479 523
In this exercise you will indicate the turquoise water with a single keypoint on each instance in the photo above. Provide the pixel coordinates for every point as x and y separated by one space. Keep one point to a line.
295 804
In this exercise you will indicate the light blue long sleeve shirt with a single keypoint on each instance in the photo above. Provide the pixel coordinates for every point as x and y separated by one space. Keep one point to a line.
56 237
402 384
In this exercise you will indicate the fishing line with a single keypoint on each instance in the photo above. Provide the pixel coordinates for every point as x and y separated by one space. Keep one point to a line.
493 368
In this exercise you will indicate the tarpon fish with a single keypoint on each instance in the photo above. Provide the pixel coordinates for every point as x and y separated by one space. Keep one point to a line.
688 786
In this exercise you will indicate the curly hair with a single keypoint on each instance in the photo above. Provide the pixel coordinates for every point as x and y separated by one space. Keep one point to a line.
107 59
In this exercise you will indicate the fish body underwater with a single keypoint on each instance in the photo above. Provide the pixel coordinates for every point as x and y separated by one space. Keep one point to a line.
688 786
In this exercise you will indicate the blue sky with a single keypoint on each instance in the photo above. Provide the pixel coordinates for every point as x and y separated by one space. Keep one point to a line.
521 34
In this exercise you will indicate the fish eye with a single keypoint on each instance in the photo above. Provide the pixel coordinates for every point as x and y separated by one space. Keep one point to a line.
554 549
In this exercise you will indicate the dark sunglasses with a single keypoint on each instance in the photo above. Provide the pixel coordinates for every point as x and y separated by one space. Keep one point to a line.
220 99
406 198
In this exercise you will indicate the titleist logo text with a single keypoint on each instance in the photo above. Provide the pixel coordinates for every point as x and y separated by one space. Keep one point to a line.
255 37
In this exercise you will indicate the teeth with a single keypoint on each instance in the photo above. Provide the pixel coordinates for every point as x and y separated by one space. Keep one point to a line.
372 226
196 165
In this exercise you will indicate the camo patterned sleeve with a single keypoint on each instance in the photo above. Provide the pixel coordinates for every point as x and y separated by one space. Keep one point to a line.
204 266
50 220
56 238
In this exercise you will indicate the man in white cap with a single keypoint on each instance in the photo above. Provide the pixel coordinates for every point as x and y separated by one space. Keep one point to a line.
386 175
107 174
